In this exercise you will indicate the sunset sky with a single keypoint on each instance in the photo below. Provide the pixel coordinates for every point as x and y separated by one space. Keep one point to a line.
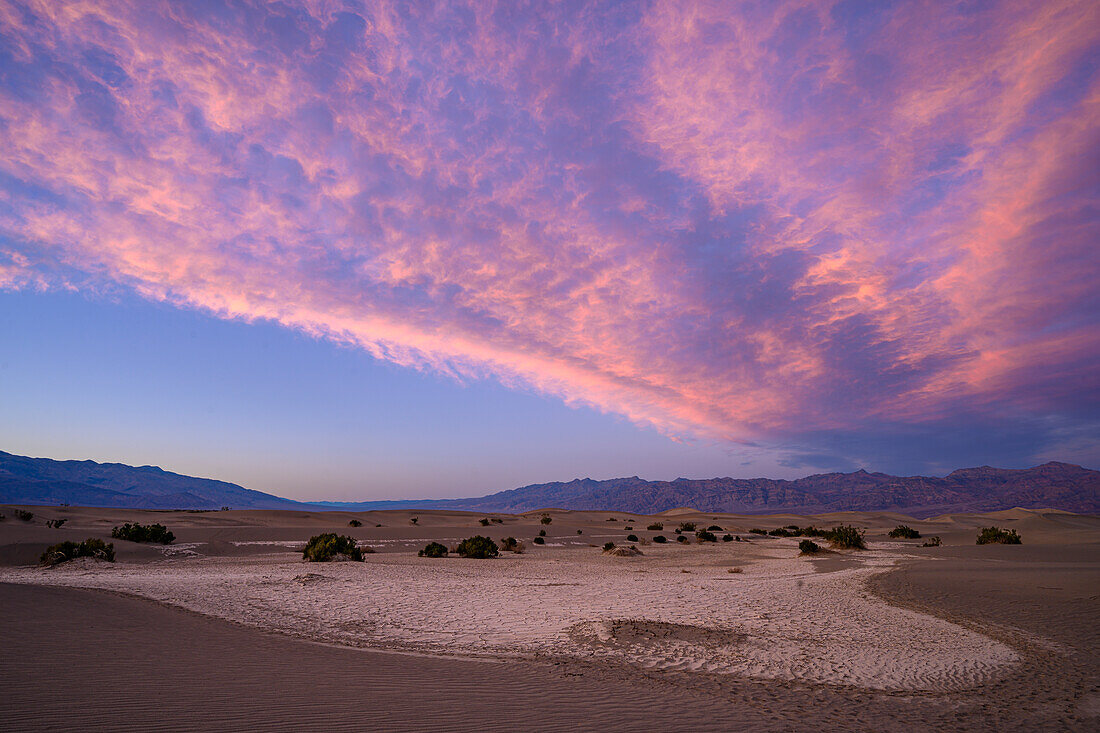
353 250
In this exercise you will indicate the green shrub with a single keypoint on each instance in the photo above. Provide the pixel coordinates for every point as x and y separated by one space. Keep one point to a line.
330 546
355 523
932 542
608 546
727 538
660 539
24 515
904 532
478 547
998 536
133 532
632 538
846 537
655 527
539 541
705 536
681 538
687 526
90 547
433 549
484 522
546 519
758 531
808 547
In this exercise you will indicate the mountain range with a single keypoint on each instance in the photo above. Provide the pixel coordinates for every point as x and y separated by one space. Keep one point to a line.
1055 485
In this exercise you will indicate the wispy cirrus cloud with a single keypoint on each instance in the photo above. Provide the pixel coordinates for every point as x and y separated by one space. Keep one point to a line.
752 222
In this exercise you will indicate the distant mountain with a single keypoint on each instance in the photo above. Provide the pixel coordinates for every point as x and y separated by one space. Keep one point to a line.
87 483
1054 485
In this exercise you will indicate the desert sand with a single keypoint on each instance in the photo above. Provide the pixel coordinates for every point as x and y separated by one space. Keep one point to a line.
561 636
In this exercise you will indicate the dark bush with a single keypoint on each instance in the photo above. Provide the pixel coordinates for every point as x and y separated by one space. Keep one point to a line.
846 537
608 546
484 522
681 538
478 547
678 531
539 541
414 520
143 533
792 526
687 526
757 531
90 547
812 531
904 532
578 531
808 547
632 538
433 549
660 539
509 544
998 536
628 527
714 528
496 520
355 523
55 523
727 538
611 519
542 533
781 532
23 515
330 546
705 536
546 519
932 542
655 527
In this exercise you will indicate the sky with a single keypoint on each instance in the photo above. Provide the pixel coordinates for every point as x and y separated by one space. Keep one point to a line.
353 250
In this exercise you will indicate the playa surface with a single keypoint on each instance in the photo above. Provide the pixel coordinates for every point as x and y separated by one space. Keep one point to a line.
562 635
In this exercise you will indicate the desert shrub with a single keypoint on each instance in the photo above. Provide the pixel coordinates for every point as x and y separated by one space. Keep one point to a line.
542 533
808 547
478 547
483 522
539 541
655 527
660 539
678 531
846 537
578 531
632 538
727 538
736 570
433 549
23 515
611 519
792 526
998 536
496 520
904 532
705 536
414 520
134 532
378 525
355 523
758 531
330 546
687 526
509 544
90 547
546 519
681 538
628 527
55 523
812 531
608 546
714 528
932 542
781 532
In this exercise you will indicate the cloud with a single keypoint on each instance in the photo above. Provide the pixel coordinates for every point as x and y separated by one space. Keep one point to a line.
759 222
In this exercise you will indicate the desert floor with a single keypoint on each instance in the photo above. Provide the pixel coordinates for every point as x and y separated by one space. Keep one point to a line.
228 627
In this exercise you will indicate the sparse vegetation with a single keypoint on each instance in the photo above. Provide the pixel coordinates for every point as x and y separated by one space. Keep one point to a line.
134 532
608 546
905 532
681 538
687 526
90 547
433 549
758 531
998 536
539 541
511 544
330 546
628 527
546 519
846 537
55 523
660 539
611 519
414 520
542 533
705 536
727 538
632 538
355 523
496 520
736 570
808 547
781 532
23 515
484 522
932 542
655 527
478 547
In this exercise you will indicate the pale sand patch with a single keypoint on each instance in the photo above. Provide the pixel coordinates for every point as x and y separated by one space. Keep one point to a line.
777 620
